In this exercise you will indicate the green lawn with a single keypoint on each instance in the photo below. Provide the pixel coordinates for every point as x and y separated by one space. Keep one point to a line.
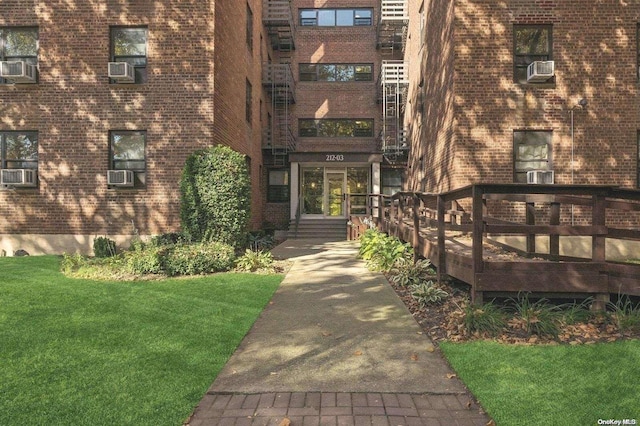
546 385
115 353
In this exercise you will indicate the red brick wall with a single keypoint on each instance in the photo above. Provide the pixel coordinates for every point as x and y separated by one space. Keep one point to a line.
73 107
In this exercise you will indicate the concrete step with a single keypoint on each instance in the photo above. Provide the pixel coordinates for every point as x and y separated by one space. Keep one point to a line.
334 229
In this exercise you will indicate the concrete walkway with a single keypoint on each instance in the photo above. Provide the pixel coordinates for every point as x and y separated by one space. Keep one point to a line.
335 346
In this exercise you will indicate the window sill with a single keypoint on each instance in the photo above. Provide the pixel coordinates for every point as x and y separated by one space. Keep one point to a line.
551 85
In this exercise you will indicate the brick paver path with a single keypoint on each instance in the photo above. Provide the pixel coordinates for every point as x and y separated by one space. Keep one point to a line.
337 409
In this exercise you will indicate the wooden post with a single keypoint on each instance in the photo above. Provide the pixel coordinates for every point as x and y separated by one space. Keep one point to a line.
400 217
554 239
477 215
531 220
440 207
416 227
598 245
381 217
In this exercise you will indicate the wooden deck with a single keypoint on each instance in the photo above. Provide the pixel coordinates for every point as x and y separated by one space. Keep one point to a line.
456 230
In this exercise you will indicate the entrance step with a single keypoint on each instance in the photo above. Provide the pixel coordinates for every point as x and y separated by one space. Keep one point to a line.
326 229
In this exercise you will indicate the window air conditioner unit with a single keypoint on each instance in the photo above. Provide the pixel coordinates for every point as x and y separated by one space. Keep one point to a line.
120 177
540 177
18 177
540 71
18 71
123 72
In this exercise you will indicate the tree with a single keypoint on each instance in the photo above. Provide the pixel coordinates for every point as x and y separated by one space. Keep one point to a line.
215 204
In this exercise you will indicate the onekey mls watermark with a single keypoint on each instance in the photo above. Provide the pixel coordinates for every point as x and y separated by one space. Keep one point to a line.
617 422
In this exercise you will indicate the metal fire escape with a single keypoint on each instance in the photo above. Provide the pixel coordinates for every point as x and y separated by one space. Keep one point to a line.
394 78
393 26
278 137
277 16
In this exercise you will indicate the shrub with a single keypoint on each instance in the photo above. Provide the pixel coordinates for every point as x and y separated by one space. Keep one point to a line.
574 313
487 318
147 259
406 272
215 189
260 240
382 251
198 258
625 315
104 247
169 238
538 317
426 293
254 260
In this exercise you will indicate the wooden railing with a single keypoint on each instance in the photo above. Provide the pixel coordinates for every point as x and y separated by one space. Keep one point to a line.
485 212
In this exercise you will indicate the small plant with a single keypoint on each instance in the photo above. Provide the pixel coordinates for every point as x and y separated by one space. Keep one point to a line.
104 247
70 263
625 315
575 313
198 258
260 241
147 259
540 317
382 251
487 318
168 239
406 272
426 292
252 261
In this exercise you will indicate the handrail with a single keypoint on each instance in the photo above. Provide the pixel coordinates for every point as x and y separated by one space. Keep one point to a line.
298 215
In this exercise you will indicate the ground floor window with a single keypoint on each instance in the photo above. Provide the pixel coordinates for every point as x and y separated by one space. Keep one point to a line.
127 154
19 158
531 152
278 191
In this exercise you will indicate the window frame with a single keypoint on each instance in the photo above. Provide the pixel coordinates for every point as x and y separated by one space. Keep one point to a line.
313 128
30 59
140 71
248 107
314 18
249 29
23 162
312 72
519 171
517 67
279 193
139 173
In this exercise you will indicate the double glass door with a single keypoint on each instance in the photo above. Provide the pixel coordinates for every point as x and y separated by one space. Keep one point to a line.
324 190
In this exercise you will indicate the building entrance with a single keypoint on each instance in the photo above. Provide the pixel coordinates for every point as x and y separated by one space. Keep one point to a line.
324 191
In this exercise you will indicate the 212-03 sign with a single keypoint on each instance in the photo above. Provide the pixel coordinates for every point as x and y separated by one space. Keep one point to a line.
334 157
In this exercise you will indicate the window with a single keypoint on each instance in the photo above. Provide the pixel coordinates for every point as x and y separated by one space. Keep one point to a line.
278 191
130 45
530 43
249 28
531 151
248 101
127 152
391 181
336 17
19 150
335 128
423 24
19 44
336 72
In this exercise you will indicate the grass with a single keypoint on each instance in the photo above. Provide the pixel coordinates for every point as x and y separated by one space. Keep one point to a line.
106 353
559 384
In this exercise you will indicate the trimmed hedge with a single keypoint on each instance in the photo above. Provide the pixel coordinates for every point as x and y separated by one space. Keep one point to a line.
215 190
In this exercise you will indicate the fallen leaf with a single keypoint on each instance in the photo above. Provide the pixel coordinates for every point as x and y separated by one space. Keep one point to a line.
431 349
468 405
357 353
285 422
326 334
451 376
414 357
491 423
273 373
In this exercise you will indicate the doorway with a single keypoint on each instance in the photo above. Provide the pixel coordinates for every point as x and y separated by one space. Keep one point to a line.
323 191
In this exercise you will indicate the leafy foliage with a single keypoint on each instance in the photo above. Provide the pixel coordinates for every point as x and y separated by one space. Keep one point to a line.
405 272
253 261
426 292
539 317
198 258
145 259
104 247
625 314
382 251
260 240
488 318
215 204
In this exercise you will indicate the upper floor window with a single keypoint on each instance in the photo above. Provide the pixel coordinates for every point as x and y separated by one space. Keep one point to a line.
530 43
129 44
336 72
248 104
127 154
249 28
335 128
531 151
19 55
19 158
336 17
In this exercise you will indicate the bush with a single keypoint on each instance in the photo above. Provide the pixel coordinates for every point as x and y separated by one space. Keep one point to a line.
104 247
146 259
406 272
168 239
487 318
198 258
252 261
426 293
538 317
215 190
382 251
625 315
260 240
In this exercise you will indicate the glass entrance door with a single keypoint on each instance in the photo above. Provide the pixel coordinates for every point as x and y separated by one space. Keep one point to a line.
312 191
334 193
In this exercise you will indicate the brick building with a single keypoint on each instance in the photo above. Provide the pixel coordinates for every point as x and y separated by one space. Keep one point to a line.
478 112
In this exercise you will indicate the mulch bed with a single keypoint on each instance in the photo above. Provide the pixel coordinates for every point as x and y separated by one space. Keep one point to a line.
444 322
